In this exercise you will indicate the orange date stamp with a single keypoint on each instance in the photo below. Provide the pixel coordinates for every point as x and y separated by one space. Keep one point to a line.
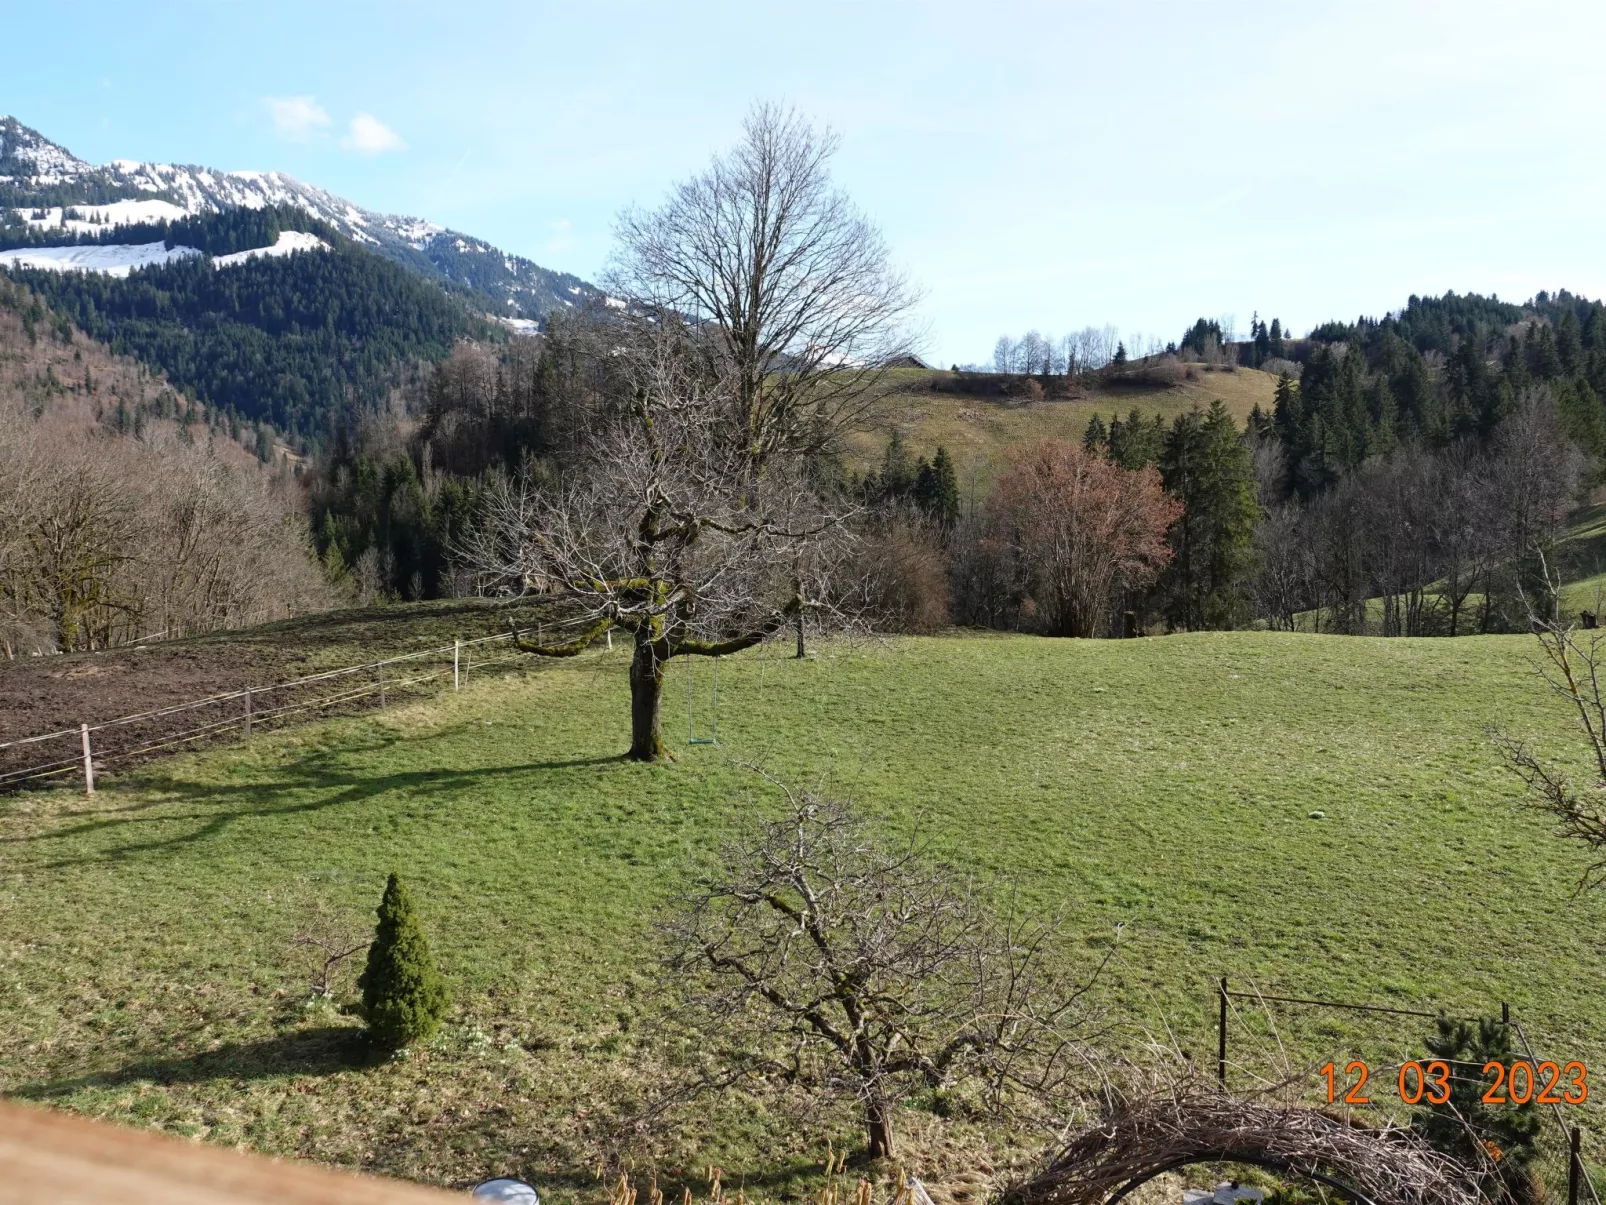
1515 1083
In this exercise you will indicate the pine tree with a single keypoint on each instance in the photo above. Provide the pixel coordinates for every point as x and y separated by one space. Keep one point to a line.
403 995
1507 1132
942 497
1136 444
1209 469
897 469
1579 413
1097 437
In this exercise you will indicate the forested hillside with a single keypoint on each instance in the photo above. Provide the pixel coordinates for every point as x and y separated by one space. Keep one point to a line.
301 341
1441 370
128 509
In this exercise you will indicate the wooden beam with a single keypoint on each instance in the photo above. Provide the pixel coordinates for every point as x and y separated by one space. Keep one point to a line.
70 1160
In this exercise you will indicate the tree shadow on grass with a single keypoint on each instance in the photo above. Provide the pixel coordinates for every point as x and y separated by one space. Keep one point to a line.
314 784
321 1051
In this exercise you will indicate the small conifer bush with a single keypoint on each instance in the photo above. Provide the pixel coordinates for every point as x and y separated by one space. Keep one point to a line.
403 995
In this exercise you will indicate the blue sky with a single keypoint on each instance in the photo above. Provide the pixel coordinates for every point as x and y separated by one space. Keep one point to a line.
1032 165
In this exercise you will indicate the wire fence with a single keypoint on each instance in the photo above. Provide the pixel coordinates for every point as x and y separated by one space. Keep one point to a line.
1377 1062
87 750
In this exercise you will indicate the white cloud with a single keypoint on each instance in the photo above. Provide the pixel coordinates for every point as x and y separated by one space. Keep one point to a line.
370 136
296 118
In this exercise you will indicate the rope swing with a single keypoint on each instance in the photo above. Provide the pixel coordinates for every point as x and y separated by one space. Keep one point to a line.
713 726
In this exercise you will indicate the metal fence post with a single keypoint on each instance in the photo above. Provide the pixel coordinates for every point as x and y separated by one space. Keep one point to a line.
247 713
381 685
1221 1036
89 764
457 654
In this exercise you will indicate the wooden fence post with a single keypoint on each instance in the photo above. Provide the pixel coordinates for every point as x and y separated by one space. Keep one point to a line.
247 713
1221 1037
457 674
89 763
381 685
1574 1166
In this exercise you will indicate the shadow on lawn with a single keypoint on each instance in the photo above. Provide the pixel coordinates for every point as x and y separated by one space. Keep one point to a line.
218 806
321 1051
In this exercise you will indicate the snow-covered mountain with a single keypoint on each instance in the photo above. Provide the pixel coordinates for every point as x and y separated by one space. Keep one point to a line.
47 187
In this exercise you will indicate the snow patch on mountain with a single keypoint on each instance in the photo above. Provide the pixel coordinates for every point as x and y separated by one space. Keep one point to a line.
113 259
29 161
91 219
288 243
119 259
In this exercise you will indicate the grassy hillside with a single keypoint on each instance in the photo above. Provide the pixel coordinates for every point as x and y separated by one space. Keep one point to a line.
1164 786
978 432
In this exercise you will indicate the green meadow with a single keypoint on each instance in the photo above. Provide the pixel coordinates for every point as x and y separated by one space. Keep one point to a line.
1157 794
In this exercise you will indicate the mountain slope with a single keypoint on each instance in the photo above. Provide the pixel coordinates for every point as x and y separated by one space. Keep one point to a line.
45 186
300 340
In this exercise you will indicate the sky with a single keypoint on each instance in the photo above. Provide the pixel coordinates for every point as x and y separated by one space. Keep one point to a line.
1047 166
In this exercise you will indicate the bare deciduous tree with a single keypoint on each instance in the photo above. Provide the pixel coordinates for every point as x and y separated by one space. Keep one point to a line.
816 954
1574 667
760 314
326 938
789 281
1005 357
1085 527
107 538
659 527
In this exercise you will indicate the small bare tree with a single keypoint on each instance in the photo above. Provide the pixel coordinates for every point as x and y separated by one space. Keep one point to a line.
326 938
817 955
1084 527
1574 666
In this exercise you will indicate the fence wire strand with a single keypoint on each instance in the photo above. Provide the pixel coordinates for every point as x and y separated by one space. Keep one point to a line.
250 717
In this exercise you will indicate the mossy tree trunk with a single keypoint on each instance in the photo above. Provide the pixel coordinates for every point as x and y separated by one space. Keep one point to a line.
646 698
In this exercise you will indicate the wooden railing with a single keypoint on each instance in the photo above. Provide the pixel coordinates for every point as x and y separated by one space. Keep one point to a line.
46 1156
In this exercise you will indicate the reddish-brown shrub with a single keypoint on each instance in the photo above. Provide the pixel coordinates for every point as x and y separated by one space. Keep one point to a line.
1084 527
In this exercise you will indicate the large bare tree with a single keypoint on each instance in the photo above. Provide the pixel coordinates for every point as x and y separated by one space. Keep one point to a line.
790 282
818 955
658 527
760 315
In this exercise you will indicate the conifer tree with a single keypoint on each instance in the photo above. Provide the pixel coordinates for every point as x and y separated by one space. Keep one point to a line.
937 488
1579 412
898 469
403 995
1097 437
1136 443
1208 468
1463 1122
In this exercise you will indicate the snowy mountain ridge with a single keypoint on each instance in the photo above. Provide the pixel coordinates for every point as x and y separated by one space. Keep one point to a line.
45 186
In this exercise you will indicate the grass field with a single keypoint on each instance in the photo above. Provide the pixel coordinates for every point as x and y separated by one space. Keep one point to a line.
1164 786
978 433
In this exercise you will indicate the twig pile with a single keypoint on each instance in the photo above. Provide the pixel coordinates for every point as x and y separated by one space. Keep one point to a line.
1137 1137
